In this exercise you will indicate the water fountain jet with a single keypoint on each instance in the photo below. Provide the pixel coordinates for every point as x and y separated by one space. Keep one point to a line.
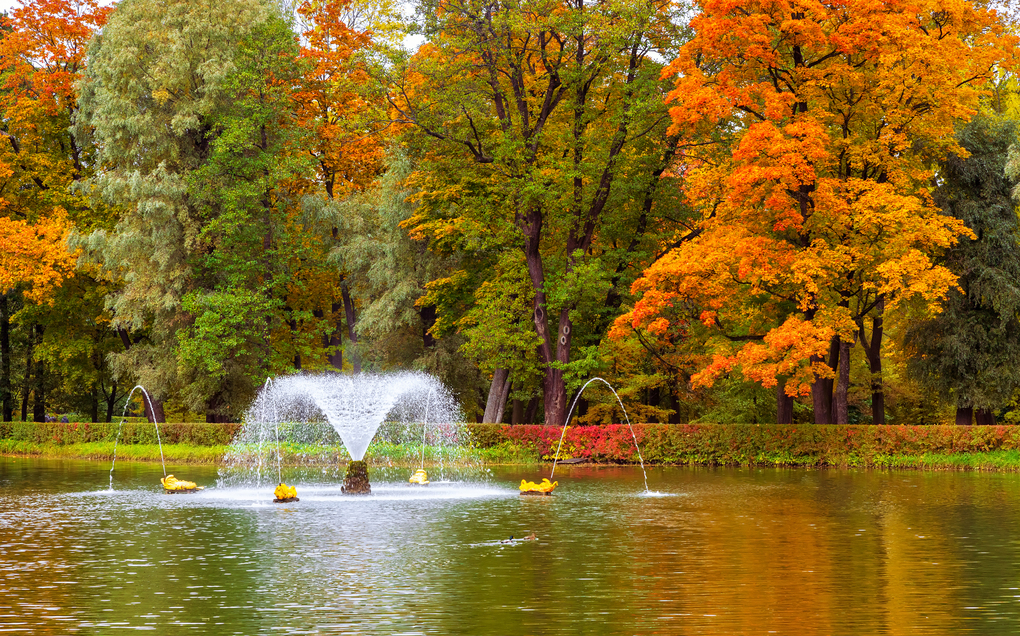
354 407
571 412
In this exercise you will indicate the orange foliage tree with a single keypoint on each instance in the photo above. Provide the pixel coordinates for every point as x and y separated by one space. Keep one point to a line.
336 101
34 256
819 124
42 52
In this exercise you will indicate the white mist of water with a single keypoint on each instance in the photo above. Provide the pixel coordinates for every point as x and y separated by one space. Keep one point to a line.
318 411
356 405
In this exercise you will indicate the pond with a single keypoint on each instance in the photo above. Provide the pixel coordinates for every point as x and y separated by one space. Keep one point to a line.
727 551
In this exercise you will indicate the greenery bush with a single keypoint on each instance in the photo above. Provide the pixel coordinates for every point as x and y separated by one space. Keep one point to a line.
198 434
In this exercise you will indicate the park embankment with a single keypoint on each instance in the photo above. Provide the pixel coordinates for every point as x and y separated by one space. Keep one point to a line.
806 445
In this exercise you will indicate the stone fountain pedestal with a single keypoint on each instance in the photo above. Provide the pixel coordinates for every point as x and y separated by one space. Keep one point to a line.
356 479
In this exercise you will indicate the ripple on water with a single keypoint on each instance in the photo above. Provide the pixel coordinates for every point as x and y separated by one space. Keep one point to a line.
719 551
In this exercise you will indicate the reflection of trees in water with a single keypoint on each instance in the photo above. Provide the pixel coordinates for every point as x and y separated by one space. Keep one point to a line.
807 552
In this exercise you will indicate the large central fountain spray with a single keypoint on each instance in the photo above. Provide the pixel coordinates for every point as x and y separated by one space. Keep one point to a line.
355 406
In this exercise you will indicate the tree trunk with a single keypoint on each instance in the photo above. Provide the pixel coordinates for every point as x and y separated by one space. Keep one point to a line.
964 416
26 384
502 401
531 413
111 402
213 409
517 413
155 413
784 403
6 395
292 323
984 417
873 351
840 407
559 382
428 320
821 396
336 356
498 389
553 388
352 334
39 399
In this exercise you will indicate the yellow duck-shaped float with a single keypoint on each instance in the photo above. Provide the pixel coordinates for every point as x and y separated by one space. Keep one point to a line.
172 485
420 477
285 493
544 488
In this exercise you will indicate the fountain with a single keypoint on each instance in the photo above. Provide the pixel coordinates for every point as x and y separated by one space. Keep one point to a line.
567 421
171 485
354 406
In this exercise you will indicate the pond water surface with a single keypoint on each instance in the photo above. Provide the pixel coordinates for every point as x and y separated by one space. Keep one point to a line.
726 551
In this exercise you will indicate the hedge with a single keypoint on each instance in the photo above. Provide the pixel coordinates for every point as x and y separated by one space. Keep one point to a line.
704 444
199 434
735 444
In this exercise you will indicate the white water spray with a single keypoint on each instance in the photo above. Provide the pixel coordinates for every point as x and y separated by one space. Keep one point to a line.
571 412
120 426
425 429
313 410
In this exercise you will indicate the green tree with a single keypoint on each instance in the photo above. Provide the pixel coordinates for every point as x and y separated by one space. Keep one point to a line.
971 350
389 272
189 104
540 128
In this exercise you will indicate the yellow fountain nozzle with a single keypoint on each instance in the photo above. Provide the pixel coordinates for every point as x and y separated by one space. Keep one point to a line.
172 484
283 491
419 477
545 487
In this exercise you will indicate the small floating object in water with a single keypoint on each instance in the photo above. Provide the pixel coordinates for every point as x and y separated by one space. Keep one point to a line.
544 488
285 494
420 477
510 540
173 486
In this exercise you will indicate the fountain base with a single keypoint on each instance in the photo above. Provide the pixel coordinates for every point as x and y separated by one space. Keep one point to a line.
172 485
286 500
538 493
356 479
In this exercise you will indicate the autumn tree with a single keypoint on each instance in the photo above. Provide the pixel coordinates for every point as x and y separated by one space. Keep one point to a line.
539 130
820 125
970 350
340 102
42 54
191 107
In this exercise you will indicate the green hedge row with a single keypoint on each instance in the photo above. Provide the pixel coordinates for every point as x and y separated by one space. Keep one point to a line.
731 444
199 434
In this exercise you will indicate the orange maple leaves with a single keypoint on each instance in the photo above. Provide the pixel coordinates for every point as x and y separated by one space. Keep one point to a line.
34 255
824 120
42 53
334 101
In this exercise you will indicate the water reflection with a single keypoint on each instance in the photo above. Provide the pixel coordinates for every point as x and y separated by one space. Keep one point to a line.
726 552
